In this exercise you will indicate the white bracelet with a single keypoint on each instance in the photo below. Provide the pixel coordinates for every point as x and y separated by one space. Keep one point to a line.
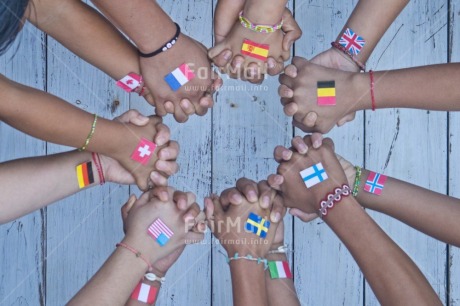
152 277
280 250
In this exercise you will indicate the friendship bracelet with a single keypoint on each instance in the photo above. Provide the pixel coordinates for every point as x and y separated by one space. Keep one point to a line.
250 258
97 162
260 28
328 202
357 181
90 135
137 253
280 250
371 75
165 47
339 47
152 277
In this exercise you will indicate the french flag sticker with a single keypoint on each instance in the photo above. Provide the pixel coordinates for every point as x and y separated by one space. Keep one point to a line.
179 77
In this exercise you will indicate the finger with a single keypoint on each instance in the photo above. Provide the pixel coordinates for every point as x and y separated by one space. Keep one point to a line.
278 210
167 167
127 207
236 67
133 116
206 102
163 134
275 181
299 61
161 193
291 71
307 140
291 29
187 107
299 145
169 107
209 209
149 97
266 195
217 205
327 142
181 200
347 118
217 50
285 92
170 152
291 109
160 109
284 79
179 114
190 215
231 196
158 179
255 73
193 237
317 140
282 154
222 59
305 217
248 188
310 119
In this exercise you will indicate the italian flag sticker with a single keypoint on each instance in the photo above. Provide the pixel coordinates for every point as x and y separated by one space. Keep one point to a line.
279 269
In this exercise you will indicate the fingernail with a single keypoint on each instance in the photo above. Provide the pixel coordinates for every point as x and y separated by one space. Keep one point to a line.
182 204
238 64
287 155
278 179
162 165
161 140
154 175
164 195
316 144
204 103
271 63
266 202
227 55
185 104
252 196
303 148
275 217
237 198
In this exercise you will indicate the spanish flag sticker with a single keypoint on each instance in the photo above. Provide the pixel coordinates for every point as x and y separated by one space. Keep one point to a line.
326 93
255 50
85 174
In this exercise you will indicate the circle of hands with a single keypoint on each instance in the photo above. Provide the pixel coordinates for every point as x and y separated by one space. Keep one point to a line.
226 214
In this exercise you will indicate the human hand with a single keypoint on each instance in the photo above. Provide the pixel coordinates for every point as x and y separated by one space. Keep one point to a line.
166 163
228 221
229 35
138 215
298 90
193 97
293 189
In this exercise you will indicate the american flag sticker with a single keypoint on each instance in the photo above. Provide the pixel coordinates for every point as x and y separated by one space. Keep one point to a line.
352 41
160 232
375 183
130 82
179 77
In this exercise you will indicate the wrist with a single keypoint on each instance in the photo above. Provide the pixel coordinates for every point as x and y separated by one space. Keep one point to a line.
264 12
362 194
154 39
361 84
146 249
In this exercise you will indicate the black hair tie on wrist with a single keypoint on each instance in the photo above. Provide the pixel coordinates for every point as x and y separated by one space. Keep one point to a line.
165 47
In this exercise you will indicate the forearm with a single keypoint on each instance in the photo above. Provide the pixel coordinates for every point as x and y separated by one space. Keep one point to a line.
429 87
371 19
280 291
264 12
49 118
141 20
392 275
432 213
114 282
32 183
86 33
248 283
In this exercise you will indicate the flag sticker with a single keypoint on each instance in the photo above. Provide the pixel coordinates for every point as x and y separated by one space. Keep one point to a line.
326 93
279 269
143 151
160 232
179 77
352 41
314 175
257 225
144 293
130 82
375 183
85 175
255 50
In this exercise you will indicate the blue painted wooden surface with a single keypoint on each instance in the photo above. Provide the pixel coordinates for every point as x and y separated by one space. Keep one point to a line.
47 256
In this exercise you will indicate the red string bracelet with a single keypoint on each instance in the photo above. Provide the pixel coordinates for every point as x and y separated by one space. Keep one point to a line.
371 75
137 253
97 162
339 47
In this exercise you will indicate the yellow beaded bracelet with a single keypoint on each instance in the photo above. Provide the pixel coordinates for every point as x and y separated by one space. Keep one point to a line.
90 135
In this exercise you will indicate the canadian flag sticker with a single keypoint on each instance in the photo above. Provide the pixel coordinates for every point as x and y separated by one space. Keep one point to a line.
144 151
130 82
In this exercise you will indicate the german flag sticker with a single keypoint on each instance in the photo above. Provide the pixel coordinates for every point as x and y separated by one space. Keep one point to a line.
326 93
85 174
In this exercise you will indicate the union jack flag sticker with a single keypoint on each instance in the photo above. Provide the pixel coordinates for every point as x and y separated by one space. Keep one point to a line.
352 41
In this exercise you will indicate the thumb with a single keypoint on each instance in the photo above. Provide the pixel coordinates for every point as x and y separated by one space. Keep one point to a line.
133 116
291 29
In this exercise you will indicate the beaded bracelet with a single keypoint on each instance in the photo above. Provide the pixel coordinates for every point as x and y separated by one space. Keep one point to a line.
152 277
97 162
339 47
249 257
371 76
260 28
328 202
135 252
357 181
90 135
280 250
165 47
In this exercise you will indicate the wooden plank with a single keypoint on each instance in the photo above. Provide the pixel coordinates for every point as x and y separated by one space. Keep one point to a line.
402 143
22 279
83 229
321 260
248 122
189 280
454 155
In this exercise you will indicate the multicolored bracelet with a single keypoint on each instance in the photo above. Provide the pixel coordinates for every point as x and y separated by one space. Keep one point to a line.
90 135
165 47
339 47
332 199
260 28
250 258
359 171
